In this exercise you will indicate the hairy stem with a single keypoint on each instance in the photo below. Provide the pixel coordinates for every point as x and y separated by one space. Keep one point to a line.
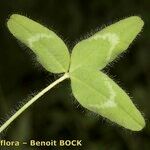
30 102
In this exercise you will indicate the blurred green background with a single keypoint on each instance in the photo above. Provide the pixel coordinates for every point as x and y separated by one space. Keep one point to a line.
57 115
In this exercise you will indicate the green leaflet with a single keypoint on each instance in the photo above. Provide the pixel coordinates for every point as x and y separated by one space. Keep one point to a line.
104 46
50 50
97 92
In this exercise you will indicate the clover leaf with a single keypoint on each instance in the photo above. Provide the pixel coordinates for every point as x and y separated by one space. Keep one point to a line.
91 87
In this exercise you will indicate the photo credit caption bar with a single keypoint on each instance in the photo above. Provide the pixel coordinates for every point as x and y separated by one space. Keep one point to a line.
38 143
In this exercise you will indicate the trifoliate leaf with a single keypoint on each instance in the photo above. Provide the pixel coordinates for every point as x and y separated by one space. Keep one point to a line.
104 46
97 92
50 50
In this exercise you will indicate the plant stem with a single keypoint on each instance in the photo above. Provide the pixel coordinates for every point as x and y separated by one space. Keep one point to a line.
30 102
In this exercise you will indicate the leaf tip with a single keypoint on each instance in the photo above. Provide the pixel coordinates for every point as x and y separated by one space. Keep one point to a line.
13 16
10 21
140 125
137 21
